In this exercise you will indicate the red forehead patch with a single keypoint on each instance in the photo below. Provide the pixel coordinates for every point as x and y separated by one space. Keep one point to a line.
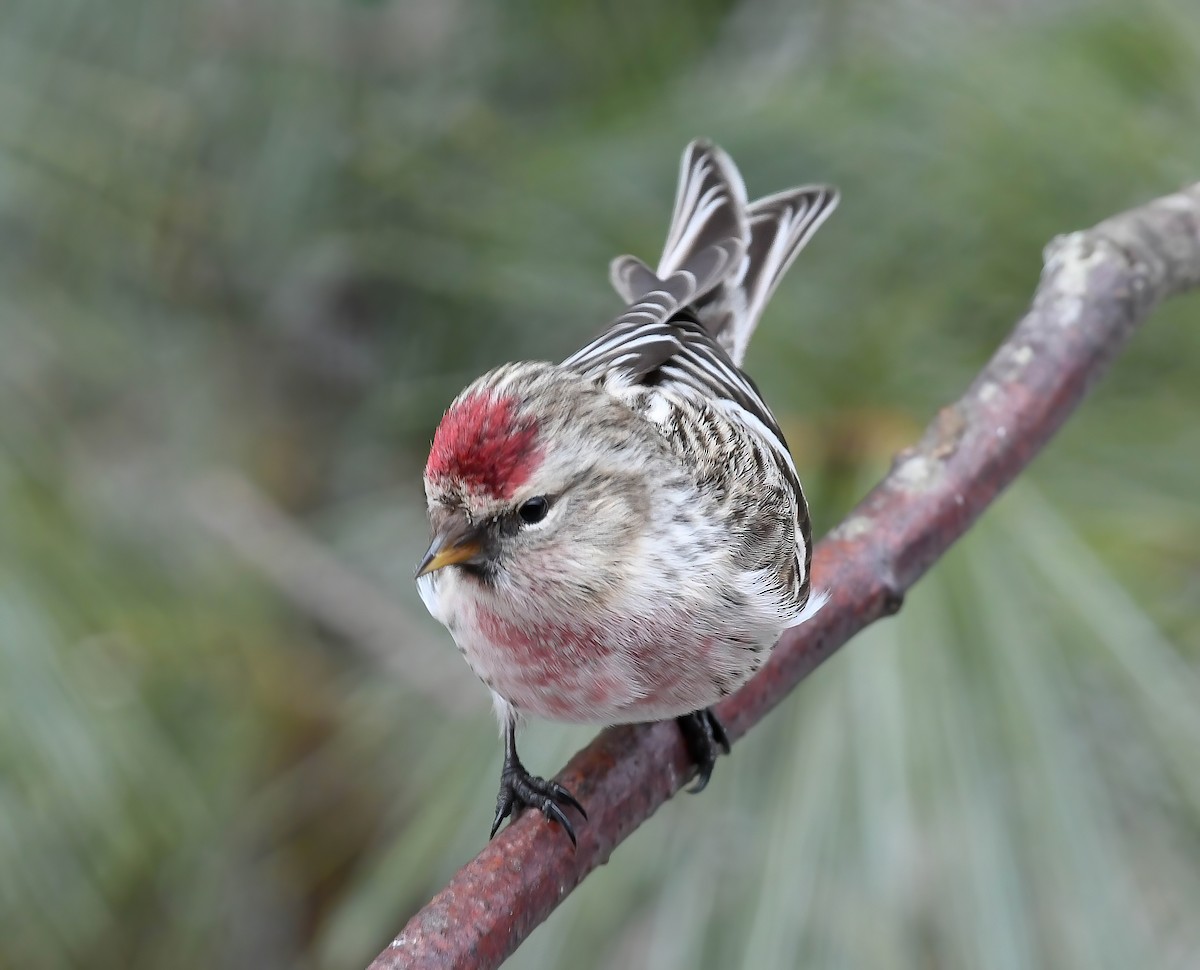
486 445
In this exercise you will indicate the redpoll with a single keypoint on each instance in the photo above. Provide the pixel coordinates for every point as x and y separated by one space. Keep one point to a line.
623 536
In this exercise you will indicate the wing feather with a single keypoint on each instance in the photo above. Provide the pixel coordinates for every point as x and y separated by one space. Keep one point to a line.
687 323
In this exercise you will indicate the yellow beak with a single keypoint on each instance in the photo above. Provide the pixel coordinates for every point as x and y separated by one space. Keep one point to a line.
458 542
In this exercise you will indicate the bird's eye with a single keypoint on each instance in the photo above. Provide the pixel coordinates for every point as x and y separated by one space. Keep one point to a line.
534 509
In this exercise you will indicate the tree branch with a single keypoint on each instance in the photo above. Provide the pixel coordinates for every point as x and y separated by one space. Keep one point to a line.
1097 286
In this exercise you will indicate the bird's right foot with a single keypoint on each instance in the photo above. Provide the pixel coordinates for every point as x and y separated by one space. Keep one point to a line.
519 789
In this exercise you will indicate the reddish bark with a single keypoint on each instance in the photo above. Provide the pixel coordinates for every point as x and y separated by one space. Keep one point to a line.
1096 288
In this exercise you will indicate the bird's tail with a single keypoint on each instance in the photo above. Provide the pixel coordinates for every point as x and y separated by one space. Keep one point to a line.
757 241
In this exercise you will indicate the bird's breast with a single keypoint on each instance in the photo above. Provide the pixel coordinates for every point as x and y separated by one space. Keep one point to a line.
604 671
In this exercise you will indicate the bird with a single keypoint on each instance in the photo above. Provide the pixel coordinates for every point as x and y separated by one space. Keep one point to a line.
622 536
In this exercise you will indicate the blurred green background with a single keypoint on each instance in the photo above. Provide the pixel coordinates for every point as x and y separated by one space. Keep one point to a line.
250 249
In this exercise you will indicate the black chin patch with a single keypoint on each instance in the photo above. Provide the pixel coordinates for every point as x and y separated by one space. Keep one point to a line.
483 572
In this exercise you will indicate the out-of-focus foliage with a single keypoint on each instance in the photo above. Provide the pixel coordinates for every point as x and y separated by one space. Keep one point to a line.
265 242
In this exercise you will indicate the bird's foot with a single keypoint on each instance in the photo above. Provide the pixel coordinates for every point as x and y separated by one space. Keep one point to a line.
519 789
706 740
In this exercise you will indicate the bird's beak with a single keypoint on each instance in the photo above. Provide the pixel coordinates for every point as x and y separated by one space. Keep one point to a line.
458 542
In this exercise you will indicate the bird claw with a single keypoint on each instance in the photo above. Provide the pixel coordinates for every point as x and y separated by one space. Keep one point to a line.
519 789
706 740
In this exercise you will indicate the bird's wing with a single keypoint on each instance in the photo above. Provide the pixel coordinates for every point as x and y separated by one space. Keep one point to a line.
679 355
688 321
675 353
637 328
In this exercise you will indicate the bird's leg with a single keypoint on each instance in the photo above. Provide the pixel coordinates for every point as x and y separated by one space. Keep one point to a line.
706 739
519 789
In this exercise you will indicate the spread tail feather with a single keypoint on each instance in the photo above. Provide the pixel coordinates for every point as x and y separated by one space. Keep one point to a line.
724 257
780 226
709 231
710 207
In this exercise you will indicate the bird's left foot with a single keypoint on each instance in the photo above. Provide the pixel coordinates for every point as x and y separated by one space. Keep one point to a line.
706 741
519 789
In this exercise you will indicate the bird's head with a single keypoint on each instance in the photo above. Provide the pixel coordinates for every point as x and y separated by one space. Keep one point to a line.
537 478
